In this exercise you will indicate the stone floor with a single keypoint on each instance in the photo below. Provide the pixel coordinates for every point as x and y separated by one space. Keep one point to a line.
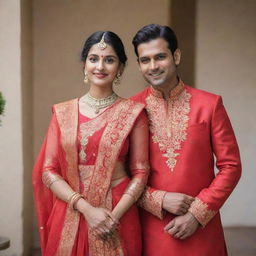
241 241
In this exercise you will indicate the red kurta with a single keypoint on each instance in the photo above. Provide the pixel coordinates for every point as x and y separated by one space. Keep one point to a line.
187 131
84 152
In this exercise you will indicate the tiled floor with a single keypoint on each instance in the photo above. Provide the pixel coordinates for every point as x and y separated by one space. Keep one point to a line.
241 241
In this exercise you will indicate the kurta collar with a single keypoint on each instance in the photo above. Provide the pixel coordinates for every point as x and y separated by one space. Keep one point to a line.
175 92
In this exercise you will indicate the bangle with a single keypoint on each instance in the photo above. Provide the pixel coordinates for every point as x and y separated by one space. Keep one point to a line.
76 200
73 199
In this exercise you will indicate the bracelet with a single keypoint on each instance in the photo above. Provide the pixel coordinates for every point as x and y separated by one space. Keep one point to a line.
76 200
73 199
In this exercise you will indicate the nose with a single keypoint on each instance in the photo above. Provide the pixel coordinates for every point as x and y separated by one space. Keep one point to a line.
100 65
153 65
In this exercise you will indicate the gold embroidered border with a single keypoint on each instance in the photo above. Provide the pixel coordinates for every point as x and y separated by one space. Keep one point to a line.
87 129
67 116
123 115
201 211
85 172
169 127
152 202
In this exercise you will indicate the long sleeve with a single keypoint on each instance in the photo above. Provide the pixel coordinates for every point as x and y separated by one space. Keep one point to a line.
51 167
225 148
138 157
152 201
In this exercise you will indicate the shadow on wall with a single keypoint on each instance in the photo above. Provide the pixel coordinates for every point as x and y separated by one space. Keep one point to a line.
183 21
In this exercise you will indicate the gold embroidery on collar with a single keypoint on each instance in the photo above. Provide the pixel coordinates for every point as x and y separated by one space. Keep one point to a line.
168 124
174 93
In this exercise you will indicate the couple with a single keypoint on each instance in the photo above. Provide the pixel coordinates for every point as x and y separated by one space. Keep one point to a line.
93 166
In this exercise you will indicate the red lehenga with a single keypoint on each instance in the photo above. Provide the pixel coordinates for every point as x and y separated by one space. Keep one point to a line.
84 153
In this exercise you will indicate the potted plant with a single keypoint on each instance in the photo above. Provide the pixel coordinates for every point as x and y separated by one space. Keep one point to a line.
2 104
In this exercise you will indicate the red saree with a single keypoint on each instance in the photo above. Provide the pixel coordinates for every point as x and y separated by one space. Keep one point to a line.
62 230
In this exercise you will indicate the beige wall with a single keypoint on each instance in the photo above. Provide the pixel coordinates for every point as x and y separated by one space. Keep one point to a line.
11 162
59 30
225 65
27 124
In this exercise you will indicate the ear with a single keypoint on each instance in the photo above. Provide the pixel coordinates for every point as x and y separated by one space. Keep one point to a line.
177 56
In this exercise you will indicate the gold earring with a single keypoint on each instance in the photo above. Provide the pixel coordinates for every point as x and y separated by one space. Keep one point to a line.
85 78
117 79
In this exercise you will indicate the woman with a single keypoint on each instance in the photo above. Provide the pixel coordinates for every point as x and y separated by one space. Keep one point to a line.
84 194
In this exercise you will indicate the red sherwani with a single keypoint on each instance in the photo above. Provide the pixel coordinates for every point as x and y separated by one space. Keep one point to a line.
187 131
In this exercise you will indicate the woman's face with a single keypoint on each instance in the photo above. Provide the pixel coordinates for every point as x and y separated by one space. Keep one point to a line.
101 66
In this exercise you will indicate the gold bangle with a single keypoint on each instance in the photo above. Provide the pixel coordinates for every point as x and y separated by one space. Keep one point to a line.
76 200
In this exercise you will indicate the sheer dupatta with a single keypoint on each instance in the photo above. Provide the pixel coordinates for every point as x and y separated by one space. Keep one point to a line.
63 134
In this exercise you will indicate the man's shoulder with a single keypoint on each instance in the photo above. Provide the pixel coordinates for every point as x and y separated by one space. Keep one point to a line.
200 95
140 96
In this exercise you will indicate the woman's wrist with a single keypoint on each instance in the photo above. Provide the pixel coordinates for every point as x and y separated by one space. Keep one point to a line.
83 206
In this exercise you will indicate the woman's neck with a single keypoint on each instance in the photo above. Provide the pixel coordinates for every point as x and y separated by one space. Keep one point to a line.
100 93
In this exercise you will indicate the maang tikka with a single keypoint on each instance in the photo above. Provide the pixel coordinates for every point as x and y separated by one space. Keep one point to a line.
102 45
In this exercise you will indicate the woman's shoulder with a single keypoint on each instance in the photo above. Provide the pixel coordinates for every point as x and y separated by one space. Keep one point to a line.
63 106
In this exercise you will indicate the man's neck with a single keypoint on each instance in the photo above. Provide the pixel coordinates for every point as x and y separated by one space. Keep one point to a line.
165 89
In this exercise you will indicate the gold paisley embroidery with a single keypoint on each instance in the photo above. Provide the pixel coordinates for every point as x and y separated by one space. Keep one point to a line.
67 116
119 125
152 202
201 211
85 172
87 129
168 124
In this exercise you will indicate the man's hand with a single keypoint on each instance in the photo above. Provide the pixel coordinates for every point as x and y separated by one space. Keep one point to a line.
177 203
182 227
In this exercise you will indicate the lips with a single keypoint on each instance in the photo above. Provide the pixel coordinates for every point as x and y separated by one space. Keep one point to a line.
100 75
156 74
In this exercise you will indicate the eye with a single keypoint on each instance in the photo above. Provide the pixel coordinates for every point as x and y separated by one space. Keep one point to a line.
160 57
144 60
93 59
109 60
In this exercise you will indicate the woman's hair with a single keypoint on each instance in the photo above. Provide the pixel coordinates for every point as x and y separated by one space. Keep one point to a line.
154 31
110 38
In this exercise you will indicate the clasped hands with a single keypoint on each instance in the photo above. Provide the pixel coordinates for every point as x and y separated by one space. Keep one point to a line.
185 224
102 222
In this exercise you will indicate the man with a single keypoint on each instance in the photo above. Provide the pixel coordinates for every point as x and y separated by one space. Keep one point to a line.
188 128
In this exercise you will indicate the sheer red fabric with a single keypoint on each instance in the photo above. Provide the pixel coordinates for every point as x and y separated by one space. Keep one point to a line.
62 230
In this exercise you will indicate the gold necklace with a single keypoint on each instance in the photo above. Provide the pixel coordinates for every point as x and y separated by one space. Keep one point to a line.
98 104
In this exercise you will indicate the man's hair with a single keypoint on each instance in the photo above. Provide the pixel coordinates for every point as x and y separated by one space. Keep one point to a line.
154 31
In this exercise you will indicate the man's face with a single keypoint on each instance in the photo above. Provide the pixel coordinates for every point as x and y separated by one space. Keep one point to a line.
157 64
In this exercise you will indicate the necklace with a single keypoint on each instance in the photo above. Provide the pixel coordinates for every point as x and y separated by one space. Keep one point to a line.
98 104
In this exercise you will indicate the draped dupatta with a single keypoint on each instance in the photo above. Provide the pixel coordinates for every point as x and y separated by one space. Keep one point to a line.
123 115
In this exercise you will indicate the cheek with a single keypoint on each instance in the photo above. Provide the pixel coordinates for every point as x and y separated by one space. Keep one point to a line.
143 69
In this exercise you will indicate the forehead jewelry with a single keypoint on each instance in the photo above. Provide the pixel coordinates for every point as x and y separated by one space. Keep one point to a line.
102 45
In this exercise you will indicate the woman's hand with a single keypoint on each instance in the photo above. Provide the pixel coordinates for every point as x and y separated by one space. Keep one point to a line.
100 220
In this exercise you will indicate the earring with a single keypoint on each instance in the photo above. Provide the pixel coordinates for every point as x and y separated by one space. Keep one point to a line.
117 79
85 78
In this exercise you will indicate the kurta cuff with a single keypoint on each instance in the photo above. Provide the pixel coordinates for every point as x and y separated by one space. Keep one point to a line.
153 202
201 212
